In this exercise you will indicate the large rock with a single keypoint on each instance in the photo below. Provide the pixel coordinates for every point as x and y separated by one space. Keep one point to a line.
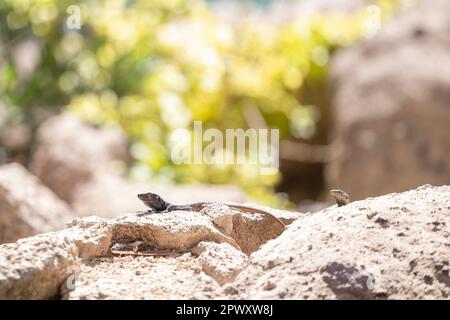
76 263
26 206
392 247
396 247
391 105
33 268
177 276
220 261
69 152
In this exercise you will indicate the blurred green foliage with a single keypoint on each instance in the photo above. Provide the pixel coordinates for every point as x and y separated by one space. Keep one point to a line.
154 66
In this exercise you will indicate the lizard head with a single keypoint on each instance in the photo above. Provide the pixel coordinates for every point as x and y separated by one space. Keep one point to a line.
153 201
342 198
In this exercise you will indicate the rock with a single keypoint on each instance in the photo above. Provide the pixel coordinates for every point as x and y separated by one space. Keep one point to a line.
252 230
176 230
77 260
221 261
348 282
68 153
27 207
34 268
249 230
390 100
391 247
344 253
92 236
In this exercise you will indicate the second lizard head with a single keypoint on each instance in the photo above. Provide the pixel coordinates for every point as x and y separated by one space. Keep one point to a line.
342 198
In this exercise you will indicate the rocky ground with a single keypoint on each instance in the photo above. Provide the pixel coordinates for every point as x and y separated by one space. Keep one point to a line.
392 247
62 217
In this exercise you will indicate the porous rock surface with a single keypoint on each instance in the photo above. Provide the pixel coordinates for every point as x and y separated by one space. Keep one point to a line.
396 246
221 261
26 206
76 263
392 247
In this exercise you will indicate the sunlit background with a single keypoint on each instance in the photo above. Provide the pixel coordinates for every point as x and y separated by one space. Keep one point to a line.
150 67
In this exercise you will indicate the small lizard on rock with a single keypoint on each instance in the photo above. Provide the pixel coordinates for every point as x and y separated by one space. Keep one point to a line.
342 197
158 204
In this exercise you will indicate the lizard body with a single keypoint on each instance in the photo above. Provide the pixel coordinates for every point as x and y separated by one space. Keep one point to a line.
342 198
158 204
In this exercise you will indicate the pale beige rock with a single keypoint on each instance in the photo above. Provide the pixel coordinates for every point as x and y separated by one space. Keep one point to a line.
287 217
92 236
391 106
69 152
27 207
222 217
34 268
221 261
177 230
396 246
178 276
86 242
249 230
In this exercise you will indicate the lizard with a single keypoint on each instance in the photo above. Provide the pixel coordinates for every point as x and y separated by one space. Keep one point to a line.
158 204
342 198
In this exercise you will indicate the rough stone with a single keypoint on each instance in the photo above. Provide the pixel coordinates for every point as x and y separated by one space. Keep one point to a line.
391 247
221 261
72 259
27 207
390 100
344 253
178 276
33 268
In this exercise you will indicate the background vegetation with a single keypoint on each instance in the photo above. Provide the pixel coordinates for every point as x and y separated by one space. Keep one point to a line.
154 66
